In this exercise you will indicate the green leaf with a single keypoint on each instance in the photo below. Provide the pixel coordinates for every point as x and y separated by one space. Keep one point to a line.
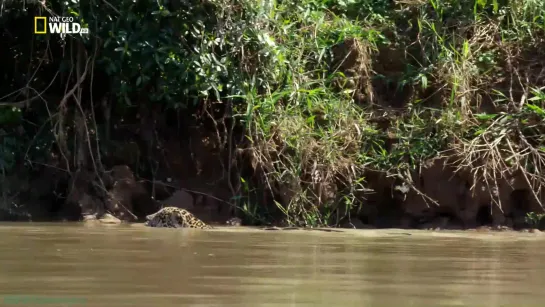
536 109
484 116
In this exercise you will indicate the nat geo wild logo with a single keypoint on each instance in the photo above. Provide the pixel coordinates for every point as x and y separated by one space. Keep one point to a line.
58 25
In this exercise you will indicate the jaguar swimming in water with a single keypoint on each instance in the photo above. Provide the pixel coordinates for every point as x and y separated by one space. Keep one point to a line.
173 217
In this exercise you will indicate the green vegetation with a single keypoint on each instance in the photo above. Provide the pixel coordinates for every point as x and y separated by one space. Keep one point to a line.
534 219
312 94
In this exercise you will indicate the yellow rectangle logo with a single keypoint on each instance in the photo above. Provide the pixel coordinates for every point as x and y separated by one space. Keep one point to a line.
36 25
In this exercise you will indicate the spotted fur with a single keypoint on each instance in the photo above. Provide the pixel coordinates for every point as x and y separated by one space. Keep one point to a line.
172 217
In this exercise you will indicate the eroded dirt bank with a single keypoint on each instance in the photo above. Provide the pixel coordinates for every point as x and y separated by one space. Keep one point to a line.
189 175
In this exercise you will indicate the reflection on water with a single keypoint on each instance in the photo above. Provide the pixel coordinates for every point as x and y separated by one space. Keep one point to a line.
72 265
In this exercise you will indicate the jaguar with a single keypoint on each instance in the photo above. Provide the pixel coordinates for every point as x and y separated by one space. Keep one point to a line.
173 217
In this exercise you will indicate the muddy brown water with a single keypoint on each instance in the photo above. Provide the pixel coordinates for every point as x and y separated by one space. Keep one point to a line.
76 265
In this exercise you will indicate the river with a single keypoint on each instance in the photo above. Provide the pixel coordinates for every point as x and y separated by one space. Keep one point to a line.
76 265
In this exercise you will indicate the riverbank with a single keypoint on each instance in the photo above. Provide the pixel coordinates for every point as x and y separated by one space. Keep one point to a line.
454 206
390 114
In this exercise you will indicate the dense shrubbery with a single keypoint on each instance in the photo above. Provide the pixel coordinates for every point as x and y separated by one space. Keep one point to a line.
312 93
